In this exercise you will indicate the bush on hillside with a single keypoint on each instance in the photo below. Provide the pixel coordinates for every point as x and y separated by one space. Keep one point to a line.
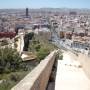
9 60
42 53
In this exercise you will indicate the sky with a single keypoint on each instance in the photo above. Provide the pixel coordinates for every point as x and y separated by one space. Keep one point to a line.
7 4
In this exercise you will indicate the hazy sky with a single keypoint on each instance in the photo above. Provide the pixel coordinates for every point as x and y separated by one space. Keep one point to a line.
45 3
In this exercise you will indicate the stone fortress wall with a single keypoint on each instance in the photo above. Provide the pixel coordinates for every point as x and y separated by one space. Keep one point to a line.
38 78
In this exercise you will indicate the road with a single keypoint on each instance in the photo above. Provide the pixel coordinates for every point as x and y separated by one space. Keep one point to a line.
69 75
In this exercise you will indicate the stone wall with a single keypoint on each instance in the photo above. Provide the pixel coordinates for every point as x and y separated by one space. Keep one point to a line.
85 62
38 78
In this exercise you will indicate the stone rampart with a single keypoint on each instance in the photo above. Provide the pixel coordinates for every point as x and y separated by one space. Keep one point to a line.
38 78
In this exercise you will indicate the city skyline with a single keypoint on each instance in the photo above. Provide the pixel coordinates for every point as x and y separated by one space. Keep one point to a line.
9 4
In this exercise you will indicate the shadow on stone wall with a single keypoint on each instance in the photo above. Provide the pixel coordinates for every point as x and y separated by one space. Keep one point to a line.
51 83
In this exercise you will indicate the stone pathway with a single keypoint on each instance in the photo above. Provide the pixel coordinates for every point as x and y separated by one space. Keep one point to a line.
70 76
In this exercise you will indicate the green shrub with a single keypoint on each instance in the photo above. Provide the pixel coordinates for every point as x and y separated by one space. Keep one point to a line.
9 60
42 53
15 77
6 85
37 47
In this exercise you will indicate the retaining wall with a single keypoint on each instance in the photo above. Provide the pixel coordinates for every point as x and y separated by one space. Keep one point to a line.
38 78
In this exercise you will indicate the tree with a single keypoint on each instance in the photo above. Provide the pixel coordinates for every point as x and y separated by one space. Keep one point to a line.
9 60
27 37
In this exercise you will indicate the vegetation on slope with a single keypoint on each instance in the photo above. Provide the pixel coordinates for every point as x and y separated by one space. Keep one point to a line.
41 47
12 70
